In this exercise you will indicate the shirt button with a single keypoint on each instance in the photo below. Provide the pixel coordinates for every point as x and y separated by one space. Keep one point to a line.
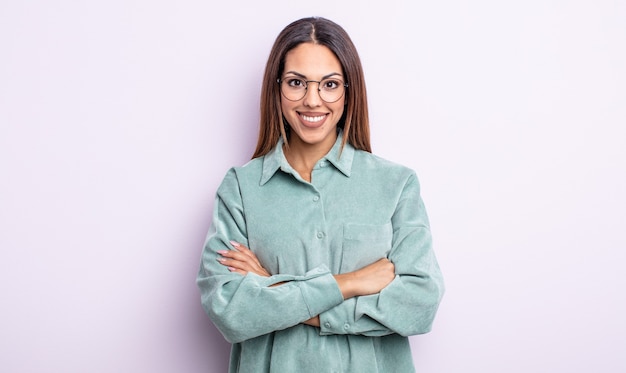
346 326
316 198
320 235
327 325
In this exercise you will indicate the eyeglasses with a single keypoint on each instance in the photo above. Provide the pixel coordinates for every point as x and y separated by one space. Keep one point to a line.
294 88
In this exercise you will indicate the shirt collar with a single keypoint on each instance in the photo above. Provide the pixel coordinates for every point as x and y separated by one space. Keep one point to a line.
341 159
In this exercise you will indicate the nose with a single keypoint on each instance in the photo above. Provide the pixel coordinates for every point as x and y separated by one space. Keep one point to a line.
312 96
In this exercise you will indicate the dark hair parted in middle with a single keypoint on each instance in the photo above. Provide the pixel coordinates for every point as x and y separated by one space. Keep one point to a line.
317 30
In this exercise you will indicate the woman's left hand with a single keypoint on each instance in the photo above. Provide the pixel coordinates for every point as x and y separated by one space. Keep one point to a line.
241 260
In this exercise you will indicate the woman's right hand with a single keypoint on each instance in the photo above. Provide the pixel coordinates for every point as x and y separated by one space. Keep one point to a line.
368 280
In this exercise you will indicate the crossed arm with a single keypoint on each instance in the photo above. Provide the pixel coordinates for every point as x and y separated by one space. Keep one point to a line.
396 295
368 280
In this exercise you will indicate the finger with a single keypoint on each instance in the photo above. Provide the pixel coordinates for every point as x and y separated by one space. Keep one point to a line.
243 265
237 255
235 270
243 249
233 262
246 251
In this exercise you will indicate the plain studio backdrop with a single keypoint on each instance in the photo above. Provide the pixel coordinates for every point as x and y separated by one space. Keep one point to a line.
118 120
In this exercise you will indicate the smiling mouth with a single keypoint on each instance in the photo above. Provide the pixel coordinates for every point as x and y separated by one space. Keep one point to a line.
313 119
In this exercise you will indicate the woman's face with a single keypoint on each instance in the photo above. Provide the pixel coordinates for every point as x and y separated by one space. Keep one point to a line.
313 121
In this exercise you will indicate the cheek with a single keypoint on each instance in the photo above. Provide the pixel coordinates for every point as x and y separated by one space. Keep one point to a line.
339 107
287 112
285 107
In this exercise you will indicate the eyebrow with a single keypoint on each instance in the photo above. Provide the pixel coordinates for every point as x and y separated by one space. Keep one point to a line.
304 76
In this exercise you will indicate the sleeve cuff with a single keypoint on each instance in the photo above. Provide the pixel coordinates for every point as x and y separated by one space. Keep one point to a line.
321 292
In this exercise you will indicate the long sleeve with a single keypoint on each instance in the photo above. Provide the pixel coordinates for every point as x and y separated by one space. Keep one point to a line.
244 307
407 306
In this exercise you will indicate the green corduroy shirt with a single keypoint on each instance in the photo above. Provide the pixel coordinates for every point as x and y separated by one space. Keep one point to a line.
357 209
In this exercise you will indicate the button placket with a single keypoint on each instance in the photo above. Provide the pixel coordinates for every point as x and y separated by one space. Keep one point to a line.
319 232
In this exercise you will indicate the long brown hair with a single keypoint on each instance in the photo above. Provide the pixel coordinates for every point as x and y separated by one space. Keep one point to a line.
355 119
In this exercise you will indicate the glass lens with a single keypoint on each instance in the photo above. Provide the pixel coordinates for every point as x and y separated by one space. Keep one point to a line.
331 89
293 89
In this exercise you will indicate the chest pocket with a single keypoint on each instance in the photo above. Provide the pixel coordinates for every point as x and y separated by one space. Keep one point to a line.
364 244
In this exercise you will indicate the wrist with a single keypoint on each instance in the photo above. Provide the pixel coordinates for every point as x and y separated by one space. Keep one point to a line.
346 284
314 321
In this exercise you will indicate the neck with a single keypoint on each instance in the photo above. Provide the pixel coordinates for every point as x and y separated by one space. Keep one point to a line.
303 157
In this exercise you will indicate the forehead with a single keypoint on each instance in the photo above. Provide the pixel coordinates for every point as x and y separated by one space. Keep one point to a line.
312 60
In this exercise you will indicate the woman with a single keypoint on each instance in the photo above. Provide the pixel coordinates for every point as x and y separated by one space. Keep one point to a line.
319 255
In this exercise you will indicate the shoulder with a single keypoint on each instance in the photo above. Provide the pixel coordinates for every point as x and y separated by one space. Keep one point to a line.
366 163
242 174
254 167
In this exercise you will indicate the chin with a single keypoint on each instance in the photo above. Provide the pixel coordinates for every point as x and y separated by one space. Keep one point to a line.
318 136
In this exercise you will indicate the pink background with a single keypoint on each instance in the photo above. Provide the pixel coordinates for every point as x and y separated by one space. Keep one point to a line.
118 120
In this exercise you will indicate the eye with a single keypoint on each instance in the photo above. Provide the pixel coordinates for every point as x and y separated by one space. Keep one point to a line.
330 84
295 83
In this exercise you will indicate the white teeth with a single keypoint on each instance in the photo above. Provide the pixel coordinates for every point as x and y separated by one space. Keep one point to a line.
313 119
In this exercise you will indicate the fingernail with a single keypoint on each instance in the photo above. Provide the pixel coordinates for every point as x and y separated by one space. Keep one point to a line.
222 252
231 269
236 244
220 259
